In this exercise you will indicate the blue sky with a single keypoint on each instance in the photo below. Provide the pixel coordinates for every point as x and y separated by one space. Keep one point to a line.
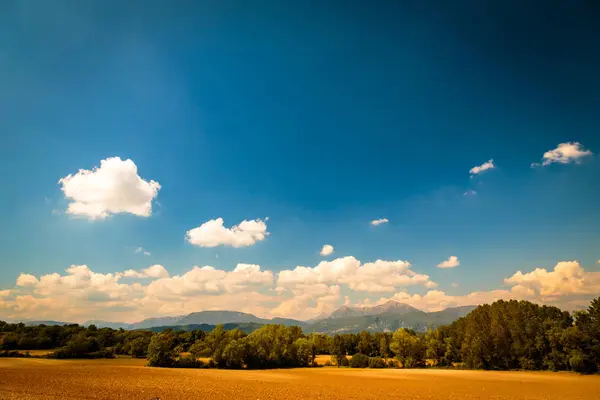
321 117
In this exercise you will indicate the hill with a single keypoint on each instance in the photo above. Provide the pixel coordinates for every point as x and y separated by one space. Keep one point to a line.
209 318
346 319
386 318
391 307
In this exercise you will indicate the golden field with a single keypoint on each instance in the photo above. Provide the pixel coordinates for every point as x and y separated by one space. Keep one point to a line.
29 379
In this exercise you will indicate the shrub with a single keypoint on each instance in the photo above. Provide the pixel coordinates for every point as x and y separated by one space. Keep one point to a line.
393 363
328 363
359 361
527 363
345 362
377 362
188 362
12 353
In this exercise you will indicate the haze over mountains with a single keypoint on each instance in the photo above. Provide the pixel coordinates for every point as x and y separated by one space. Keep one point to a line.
346 319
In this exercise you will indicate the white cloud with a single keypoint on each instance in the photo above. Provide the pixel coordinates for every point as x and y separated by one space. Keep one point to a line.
378 276
304 292
565 153
482 168
113 188
141 250
154 271
309 301
208 279
451 262
568 277
380 221
470 192
212 233
327 250
26 280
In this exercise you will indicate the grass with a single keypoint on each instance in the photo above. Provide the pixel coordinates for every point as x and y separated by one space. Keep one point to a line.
44 379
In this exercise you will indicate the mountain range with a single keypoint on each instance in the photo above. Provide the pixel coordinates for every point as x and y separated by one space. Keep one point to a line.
385 317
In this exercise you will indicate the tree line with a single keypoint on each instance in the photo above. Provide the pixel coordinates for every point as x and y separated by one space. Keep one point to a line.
503 335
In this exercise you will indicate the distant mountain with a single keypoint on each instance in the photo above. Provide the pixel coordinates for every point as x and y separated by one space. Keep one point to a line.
48 323
288 322
319 317
208 318
452 313
107 324
159 321
386 317
218 317
394 307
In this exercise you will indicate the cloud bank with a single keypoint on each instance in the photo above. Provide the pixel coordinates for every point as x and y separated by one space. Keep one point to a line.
303 292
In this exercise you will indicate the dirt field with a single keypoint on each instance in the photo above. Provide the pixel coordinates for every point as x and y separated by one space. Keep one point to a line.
27 379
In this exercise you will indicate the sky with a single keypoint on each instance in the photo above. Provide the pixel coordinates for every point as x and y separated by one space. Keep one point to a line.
287 158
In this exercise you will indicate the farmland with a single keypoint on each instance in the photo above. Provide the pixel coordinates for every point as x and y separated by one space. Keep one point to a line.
33 379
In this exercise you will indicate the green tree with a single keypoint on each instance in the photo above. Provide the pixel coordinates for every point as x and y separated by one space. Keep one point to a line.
161 350
338 350
359 360
408 348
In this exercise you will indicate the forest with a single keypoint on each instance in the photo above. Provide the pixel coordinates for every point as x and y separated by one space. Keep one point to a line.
505 335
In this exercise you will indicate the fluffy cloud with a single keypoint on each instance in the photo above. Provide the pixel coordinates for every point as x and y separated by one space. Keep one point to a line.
26 280
212 233
81 294
154 271
380 221
470 192
208 279
142 251
567 278
113 188
378 276
565 153
567 286
451 262
482 168
326 250
309 301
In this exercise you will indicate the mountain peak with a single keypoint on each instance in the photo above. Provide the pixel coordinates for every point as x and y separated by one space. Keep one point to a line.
391 306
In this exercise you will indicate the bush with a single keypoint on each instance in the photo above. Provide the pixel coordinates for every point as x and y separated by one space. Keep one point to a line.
13 353
527 363
328 363
393 363
107 353
188 362
377 362
67 352
345 362
359 361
